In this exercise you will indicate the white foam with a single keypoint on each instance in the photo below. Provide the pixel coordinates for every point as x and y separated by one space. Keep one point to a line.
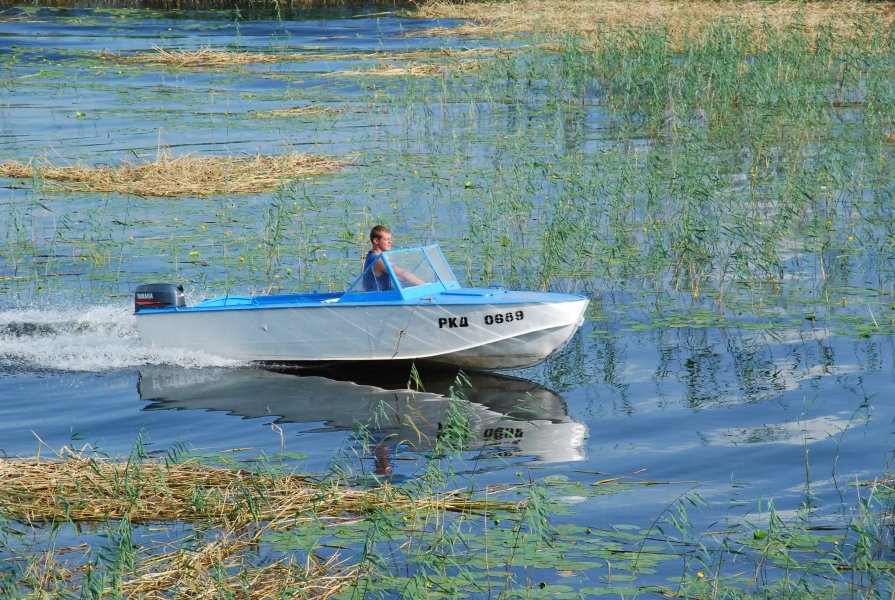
97 338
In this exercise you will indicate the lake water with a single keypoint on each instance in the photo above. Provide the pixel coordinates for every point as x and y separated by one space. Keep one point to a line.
778 407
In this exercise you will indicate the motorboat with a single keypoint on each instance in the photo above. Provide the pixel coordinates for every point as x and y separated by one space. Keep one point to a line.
415 311
507 416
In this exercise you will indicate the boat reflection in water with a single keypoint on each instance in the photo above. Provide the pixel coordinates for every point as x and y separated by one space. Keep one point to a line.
508 416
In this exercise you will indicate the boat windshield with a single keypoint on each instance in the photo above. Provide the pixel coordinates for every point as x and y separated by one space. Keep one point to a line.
409 268
420 266
441 266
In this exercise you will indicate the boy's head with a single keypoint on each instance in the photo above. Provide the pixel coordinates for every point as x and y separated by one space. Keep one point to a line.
379 231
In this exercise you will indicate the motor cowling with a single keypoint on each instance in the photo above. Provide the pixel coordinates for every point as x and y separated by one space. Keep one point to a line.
158 295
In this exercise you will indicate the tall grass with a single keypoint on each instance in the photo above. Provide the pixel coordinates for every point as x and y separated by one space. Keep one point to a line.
733 172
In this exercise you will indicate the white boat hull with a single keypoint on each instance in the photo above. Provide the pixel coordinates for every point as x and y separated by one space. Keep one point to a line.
499 335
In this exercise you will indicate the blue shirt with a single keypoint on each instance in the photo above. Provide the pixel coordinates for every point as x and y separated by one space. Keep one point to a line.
372 282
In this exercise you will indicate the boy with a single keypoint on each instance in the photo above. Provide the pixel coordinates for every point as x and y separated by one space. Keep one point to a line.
377 279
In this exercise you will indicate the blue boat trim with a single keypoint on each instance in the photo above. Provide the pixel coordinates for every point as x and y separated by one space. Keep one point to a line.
481 292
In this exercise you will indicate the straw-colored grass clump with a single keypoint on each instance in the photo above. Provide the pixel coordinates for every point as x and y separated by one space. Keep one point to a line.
222 567
410 69
186 175
210 57
415 63
205 57
425 63
682 20
79 489
235 511
299 111
197 573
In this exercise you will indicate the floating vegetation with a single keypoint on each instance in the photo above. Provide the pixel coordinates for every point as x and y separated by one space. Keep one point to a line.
210 57
275 532
411 69
204 57
179 176
424 63
79 489
93 489
300 111
223 567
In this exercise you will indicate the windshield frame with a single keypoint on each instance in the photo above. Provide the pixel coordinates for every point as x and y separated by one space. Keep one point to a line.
426 263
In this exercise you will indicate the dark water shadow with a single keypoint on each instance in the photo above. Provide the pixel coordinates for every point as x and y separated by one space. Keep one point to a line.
507 416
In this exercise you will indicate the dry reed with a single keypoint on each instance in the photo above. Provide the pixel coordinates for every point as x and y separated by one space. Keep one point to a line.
682 20
303 111
197 573
204 57
82 490
209 57
180 176
220 567
411 69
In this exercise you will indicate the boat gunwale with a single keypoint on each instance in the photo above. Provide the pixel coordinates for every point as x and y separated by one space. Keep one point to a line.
512 297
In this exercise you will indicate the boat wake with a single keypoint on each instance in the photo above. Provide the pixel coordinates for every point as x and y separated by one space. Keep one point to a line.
99 338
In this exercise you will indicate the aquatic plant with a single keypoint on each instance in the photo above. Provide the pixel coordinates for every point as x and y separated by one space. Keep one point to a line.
204 57
179 176
82 489
298 111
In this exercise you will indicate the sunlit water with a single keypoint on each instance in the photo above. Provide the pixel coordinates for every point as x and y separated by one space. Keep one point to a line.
736 414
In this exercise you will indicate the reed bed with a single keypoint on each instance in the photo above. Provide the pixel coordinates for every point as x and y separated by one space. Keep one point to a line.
682 20
719 201
92 489
186 175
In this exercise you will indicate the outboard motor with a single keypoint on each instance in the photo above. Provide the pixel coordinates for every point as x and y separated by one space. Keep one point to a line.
158 295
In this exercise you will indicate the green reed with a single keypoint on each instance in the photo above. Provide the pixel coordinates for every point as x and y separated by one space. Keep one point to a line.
744 153
794 558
